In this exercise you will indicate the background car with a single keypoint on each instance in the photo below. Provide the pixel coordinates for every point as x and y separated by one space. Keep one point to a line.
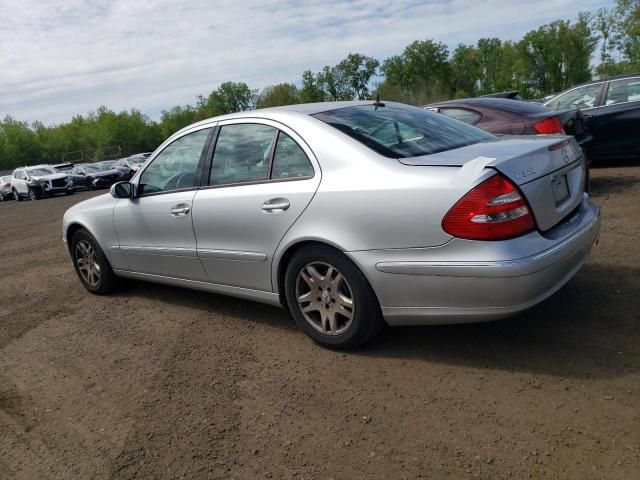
96 175
134 162
114 164
514 117
5 188
611 108
39 181
349 214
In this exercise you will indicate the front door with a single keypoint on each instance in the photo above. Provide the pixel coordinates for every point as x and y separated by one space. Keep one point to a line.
155 228
262 179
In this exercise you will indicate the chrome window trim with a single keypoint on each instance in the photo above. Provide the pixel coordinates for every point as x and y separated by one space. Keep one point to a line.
306 148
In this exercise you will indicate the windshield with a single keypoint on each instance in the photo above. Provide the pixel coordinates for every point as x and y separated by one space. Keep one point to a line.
37 172
402 131
6 179
137 160
93 168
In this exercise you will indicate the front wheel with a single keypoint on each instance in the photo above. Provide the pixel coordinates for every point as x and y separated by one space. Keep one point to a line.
330 299
33 195
91 265
16 195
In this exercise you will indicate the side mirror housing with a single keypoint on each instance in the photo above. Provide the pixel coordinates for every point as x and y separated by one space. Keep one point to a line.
122 190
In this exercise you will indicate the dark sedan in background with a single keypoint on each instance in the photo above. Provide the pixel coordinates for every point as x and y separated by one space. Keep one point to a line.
92 176
514 117
611 108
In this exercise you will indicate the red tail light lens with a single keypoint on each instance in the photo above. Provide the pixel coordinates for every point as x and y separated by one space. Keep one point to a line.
494 210
548 126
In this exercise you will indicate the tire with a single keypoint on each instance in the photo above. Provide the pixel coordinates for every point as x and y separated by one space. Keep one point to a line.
91 258
33 195
16 195
69 192
325 314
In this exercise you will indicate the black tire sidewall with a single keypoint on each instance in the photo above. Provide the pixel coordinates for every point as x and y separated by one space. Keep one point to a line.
367 320
106 282
16 195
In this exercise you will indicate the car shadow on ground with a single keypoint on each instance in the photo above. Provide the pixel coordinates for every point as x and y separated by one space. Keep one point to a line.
607 185
589 329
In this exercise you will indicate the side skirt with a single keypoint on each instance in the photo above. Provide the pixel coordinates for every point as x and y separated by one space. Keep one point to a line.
239 292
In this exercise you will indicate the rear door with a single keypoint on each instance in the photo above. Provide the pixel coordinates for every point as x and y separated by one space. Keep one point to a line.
262 178
155 228
615 124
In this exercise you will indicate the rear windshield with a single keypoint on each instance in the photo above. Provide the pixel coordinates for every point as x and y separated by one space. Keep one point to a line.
402 131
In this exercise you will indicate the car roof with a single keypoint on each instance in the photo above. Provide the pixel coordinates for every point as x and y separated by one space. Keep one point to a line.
605 79
299 108
506 104
29 167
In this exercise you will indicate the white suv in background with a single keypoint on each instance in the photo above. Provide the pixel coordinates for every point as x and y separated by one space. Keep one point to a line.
39 181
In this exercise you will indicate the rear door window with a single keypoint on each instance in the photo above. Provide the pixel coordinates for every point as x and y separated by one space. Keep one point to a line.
621 91
242 153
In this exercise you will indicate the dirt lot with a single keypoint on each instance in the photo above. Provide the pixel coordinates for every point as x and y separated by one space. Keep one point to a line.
160 382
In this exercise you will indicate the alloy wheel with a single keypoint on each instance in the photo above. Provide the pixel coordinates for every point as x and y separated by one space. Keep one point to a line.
32 194
325 298
87 262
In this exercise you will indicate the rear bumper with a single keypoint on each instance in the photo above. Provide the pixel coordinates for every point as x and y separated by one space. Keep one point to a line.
468 281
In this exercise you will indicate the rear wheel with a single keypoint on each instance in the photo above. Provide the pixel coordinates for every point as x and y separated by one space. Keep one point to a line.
330 299
92 267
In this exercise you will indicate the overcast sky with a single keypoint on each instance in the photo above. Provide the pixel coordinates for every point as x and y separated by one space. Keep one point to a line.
62 57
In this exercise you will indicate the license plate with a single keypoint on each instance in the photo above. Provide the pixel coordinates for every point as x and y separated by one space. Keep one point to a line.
560 189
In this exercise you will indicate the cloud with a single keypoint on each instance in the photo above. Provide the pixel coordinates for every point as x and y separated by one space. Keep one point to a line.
70 56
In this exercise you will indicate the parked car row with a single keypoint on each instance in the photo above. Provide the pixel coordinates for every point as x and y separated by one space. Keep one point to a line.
39 181
603 115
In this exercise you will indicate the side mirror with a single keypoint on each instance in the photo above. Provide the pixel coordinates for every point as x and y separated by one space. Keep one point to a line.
122 190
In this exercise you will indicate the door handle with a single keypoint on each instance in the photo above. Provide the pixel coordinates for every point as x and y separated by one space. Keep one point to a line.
276 205
180 210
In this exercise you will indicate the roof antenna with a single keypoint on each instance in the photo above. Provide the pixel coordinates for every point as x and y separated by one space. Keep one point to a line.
377 104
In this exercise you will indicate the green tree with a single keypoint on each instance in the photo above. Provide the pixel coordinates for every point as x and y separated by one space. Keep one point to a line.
356 72
465 71
310 91
628 13
178 117
276 95
230 97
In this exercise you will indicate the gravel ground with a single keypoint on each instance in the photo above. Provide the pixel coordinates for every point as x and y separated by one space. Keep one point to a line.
160 382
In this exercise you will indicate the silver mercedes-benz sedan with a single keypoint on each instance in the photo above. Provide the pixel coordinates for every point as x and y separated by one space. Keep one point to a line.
351 215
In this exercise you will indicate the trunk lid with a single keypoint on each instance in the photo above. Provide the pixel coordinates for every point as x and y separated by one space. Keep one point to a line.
549 170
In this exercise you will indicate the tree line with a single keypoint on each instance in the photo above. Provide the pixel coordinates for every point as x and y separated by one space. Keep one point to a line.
548 59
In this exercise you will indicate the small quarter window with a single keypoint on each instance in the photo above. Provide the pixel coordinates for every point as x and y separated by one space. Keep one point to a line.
462 114
289 160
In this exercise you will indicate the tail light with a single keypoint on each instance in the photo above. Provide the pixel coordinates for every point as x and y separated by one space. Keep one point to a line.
493 210
7 185
548 126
